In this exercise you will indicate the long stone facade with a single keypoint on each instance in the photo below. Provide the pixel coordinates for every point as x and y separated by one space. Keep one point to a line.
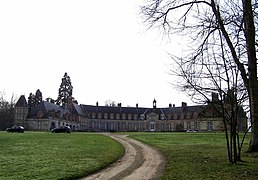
47 115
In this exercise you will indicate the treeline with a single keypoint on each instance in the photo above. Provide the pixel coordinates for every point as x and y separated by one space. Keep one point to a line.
6 111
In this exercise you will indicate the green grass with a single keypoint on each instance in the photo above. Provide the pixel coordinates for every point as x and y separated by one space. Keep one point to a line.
199 156
42 155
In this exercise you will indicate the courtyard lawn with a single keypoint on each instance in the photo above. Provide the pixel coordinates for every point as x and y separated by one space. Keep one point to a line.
199 156
43 155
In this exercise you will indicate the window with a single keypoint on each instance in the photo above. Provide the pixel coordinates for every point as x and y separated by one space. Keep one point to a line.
93 115
105 115
99 125
162 126
99 115
209 126
195 115
111 115
129 116
188 125
196 125
123 116
152 126
169 126
117 116
142 117
135 116
189 115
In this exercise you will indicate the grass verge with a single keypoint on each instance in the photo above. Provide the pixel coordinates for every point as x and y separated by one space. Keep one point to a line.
42 155
199 156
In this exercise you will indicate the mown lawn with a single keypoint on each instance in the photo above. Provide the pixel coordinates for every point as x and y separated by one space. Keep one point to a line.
200 156
43 155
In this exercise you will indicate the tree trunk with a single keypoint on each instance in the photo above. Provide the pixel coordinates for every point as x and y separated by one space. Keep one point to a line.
253 146
252 70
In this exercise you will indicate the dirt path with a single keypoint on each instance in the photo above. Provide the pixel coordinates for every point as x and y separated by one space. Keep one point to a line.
139 162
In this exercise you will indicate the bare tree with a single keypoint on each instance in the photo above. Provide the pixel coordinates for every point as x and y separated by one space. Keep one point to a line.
109 102
6 111
217 75
208 23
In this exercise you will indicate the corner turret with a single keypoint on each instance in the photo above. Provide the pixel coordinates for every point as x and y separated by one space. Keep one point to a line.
21 111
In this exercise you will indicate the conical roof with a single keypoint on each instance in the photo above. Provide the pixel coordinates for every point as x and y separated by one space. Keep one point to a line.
22 102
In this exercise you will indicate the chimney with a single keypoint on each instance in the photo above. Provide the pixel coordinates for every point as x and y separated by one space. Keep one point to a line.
184 104
97 103
136 105
154 103
170 105
174 105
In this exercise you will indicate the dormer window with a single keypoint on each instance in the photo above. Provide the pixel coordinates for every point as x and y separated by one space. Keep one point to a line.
99 115
129 116
111 115
142 116
105 115
93 115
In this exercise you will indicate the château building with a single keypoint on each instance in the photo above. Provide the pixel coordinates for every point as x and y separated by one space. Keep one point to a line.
46 115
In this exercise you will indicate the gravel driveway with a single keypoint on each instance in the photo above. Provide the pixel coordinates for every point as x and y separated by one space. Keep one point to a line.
140 162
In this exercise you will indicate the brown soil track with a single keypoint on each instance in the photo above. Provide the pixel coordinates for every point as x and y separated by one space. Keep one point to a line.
140 162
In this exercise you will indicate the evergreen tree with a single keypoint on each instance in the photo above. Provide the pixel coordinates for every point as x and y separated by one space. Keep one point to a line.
65 91
38 97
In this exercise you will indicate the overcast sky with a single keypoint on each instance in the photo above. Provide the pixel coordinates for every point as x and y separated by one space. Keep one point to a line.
102 45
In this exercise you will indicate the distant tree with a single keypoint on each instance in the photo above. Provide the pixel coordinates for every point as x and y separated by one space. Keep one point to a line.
31 101
51 100
65 91
34 99
209 23
38 97
6 111
109 102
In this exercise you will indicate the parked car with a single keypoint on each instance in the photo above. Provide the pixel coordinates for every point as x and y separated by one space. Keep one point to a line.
61 129
18 129
191 130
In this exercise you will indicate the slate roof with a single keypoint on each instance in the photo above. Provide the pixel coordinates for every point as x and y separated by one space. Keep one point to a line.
22 102
46 107
110 109
86 110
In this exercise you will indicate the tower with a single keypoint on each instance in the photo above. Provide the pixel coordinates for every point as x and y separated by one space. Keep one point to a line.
21 111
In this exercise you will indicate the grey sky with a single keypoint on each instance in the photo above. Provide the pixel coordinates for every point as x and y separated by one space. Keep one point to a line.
102 45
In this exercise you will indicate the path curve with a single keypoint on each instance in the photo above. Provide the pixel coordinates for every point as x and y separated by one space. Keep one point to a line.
139 162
